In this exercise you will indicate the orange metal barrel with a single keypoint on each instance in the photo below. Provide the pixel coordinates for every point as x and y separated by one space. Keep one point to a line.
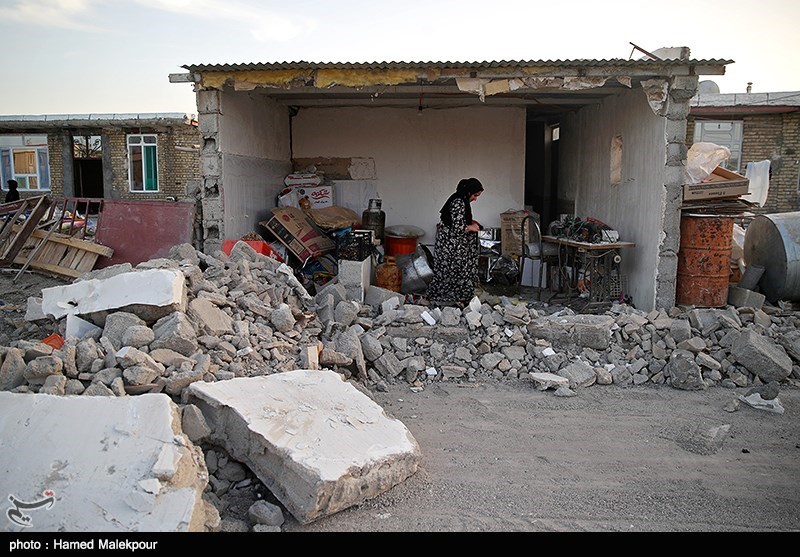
704 260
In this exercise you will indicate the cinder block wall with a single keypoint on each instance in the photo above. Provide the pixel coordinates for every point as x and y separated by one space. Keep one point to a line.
773 137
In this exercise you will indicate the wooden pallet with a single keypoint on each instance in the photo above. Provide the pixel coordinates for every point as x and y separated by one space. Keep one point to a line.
13 235
60 254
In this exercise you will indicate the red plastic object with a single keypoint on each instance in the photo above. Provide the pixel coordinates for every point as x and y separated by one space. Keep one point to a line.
55 340
396 245
259 246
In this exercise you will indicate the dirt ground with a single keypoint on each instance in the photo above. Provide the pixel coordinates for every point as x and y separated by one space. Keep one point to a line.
504 457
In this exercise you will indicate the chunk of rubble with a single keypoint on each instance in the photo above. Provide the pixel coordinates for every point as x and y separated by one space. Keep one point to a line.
544 381
110 464
317 442
158 291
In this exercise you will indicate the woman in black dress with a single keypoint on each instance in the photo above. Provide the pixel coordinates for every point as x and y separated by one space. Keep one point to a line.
455 265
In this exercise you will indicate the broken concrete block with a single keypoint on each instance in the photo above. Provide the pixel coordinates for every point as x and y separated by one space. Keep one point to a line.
194 423
282 318
761 356
376 296
544 381
139 336
579 374
34 310
588 331
116 324
355 277
155 291
741 297
684 372
209 319
317 442
114 488
262 512
175 332
12 370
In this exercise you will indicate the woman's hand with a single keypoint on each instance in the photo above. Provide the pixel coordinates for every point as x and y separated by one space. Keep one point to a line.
474 227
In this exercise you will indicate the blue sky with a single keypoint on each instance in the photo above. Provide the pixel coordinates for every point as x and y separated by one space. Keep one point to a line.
102 56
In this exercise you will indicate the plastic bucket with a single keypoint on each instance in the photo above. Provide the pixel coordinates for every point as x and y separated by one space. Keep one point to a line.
704 260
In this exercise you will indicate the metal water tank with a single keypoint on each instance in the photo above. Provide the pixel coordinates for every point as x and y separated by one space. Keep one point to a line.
771 241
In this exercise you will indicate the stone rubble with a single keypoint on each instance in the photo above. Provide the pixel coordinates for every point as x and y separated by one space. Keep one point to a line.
247 315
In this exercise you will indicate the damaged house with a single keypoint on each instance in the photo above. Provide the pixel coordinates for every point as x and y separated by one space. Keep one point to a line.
594 138
108 171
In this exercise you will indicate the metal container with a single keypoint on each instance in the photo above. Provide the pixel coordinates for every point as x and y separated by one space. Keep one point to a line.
374 218
773 242
388 275
402 239
704 260
417 270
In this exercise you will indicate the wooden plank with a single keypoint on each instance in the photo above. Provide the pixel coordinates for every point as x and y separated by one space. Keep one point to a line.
58 238
55 269
27 227
86 262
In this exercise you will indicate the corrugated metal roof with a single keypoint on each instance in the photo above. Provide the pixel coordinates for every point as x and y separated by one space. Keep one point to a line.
43 118
302 65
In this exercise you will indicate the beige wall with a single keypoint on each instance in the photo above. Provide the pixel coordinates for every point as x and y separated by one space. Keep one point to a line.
419 159
635 207
255 158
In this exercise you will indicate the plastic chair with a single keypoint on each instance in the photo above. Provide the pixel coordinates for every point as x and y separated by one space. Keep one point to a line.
536 250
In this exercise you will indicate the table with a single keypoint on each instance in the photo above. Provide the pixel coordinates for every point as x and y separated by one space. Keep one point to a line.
595 263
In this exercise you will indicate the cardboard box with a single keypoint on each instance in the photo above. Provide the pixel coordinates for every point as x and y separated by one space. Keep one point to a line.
511 233
319 196
298 233
722 183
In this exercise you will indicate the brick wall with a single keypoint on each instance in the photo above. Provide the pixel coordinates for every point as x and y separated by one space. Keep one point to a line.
178 161
773 137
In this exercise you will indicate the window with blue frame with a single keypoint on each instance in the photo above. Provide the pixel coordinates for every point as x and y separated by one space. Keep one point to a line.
25 158
143 163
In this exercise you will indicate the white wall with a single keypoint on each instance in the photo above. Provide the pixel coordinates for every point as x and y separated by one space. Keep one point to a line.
419 159
254 138
635 207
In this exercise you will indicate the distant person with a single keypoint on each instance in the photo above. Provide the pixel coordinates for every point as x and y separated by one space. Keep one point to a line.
13 194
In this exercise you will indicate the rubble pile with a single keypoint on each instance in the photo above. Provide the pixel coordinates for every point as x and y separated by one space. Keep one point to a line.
247 315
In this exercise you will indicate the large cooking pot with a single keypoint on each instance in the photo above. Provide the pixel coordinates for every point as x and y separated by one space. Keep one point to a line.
401 239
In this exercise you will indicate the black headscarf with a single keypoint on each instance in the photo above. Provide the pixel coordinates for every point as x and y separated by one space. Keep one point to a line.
466 188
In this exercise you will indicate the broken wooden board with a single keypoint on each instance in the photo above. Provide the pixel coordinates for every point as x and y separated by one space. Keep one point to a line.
14 237
60 254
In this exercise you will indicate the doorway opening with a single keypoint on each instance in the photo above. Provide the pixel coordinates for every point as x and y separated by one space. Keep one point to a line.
87 165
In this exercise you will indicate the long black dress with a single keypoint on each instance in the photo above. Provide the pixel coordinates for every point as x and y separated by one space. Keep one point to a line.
455 264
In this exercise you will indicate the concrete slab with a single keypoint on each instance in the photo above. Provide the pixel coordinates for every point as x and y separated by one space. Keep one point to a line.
106 464
316 441
160 288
